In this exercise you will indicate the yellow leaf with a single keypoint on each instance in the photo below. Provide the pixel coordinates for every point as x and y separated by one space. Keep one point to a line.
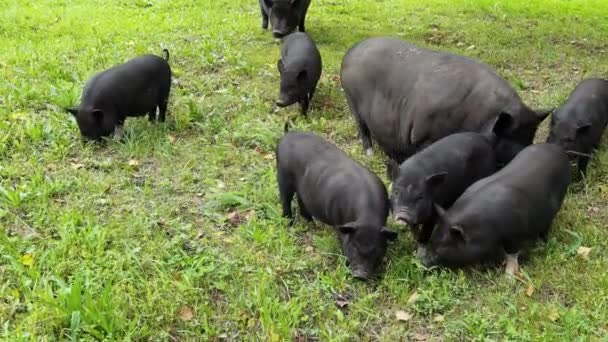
171 138
553 315
438 318
17 115
583 252
413 297
15 293
530 290
402 316
185 313
133 162
27 260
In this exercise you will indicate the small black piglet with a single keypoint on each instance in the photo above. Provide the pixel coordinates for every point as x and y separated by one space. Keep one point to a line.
578 124
135 88
300 68
438 175
498 215
339 192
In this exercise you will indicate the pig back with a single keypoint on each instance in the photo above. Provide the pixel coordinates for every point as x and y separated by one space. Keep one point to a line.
298 51
408 95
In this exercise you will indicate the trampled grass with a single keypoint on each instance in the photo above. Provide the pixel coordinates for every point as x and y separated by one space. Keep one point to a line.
132 239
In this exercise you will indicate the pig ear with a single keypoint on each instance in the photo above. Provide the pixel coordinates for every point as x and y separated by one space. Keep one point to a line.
72 110
582 129
503 124
439 209
98 114
543 113
389 234
348 229
302 75
458 232
433 181
392 169
280 66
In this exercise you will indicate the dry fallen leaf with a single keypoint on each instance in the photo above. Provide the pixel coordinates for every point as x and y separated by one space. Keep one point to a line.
340 301
402 316
413 297
185 313
76 166
234 218
250 215
269 156
171 138
419 337
308 249
553 315
438 318
530 290
583 252
133 162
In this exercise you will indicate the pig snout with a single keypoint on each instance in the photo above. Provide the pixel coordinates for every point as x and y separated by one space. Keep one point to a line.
405 217
284 101
360 274
279 33
426 257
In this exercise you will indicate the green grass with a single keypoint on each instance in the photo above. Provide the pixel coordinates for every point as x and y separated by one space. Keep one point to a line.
131 240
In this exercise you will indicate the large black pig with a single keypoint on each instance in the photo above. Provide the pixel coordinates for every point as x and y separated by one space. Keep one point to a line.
300 68
285 15
500 214
338 191
135 88
578 124
407 97
438 174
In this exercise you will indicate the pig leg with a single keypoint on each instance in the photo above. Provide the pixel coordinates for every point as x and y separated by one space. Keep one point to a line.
301 24
303 211
152 116
286 192
312 92
512 265
118 132
162 110
582 165
264 18
304 106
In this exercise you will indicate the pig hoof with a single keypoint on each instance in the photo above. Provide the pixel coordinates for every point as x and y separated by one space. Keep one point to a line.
512 268
118 133
421 252
369 152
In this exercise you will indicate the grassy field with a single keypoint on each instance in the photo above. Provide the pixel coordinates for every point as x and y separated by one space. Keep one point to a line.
175 233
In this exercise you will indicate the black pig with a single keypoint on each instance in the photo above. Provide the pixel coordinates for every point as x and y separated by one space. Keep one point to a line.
135 88
499 214
285 15
300 69
438 175
578 124
407 97
339 192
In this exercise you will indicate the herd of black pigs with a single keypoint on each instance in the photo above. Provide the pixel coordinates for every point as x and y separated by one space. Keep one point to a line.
465 175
